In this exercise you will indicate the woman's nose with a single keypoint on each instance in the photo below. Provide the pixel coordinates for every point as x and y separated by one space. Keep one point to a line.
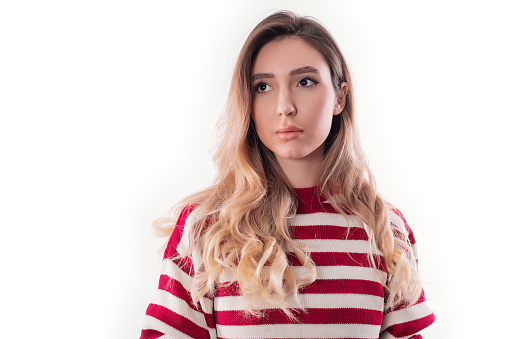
285 104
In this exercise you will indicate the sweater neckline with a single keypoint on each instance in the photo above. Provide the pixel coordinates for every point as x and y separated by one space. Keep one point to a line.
309 195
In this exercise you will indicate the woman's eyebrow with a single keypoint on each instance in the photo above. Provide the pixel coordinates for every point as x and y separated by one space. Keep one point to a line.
305 69
300 70
257 76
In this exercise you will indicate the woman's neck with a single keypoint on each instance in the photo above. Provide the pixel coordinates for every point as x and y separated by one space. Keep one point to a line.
301 173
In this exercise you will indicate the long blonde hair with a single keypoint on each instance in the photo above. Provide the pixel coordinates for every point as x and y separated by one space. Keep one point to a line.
241 220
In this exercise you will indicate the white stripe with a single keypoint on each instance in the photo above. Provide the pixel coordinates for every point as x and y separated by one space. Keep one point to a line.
414 312
414 249
299 331
175 272
324 272
179 306
387 335
343 246
185 241
183 245
344 272
172 270
166 299
333 219
396 219
172 335
323 301
151 323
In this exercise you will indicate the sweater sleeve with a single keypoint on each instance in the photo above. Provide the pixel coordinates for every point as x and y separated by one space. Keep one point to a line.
173 313
406 321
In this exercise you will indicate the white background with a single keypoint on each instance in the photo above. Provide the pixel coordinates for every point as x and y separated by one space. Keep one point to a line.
108 110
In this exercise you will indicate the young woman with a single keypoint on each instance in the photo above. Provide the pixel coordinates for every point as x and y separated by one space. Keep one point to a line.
293 240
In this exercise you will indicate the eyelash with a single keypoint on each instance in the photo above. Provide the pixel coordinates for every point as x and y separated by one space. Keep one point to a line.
258 84
311 79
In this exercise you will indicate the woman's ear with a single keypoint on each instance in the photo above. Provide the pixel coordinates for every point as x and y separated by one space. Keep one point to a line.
340 105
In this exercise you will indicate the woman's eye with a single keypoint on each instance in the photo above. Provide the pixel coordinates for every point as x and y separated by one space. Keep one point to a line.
307 82
262 87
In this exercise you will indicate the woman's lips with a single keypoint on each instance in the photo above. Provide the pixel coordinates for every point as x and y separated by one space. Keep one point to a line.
289 132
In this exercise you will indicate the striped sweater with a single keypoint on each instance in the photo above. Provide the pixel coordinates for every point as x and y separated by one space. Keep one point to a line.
345 301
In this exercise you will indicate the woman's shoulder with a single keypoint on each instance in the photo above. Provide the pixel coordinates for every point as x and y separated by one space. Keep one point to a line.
400 224
180 238
185 213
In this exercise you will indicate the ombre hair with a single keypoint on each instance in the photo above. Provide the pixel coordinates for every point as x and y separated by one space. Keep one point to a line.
241 221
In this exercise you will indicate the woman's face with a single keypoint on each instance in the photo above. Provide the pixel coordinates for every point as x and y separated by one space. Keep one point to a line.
294 100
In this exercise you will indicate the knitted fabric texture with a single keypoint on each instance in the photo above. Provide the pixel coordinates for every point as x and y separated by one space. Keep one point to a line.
345 301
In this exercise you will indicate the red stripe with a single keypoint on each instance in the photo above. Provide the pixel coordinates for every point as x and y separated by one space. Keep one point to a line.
411 327
228 290
150 334
177 289
339 259
411 237
171 248
324 286
176 236
321 286
185 264
329 232
177 321
312 316
315 208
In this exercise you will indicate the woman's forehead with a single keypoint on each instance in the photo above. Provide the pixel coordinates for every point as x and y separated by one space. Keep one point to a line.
282 56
